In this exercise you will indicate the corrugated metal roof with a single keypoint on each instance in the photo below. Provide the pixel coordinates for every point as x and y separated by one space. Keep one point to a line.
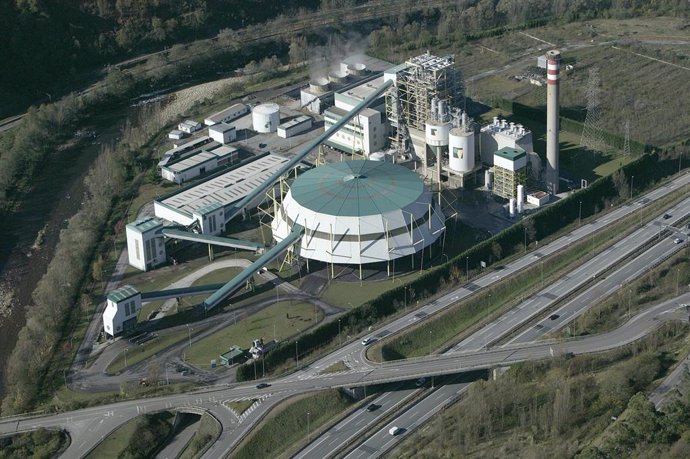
357 188
122 293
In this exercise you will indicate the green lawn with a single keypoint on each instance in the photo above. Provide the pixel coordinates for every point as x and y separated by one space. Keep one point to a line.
263 324
287 428
336 367
115 443
241 406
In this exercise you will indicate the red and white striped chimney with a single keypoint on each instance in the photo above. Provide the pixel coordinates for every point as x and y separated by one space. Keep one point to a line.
553 65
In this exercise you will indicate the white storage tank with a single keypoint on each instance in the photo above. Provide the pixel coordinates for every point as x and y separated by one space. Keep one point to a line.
511 207
437 134
488 179
520 197
266 117
461 150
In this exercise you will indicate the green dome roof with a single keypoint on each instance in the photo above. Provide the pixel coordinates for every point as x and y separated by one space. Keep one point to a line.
357 188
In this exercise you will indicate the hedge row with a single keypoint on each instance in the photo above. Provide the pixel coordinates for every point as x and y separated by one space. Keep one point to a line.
601 194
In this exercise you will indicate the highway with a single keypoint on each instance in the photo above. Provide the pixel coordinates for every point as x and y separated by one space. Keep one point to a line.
531 307
90 425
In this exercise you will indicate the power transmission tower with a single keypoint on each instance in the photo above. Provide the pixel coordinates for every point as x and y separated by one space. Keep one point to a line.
626 143
592 133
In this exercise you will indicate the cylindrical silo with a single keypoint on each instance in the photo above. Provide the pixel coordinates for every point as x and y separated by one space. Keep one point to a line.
437 134
461 150
511 207
266 117
520 197
488 176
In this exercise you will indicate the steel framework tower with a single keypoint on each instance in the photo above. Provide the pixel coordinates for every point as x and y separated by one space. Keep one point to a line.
592 133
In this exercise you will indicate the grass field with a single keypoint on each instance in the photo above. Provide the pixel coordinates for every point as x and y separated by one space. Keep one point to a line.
290 423
241 406
114 444
263 324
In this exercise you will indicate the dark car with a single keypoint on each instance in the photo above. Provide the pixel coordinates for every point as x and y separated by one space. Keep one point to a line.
373 407
262 385
554 316
420 382
667 216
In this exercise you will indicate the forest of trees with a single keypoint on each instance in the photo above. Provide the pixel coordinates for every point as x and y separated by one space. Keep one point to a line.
49 46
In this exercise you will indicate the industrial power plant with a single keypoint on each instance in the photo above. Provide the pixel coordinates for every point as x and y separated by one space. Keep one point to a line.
403 144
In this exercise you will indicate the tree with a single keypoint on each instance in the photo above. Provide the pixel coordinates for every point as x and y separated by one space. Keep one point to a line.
620 183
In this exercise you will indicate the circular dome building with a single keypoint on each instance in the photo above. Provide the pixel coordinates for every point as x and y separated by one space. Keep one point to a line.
359 212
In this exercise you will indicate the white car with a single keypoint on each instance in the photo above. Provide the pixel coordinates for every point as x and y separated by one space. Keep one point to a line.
394 430
368 340
677 240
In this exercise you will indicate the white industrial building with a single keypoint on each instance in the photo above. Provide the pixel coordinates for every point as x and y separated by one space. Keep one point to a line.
365 133
502 134
145 247
122 307
189 126
359 212
182 149
176 134
203 162
224 189
226 115
295 126
266 117
223 133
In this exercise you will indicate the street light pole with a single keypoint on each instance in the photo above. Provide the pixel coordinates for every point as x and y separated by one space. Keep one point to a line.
189 334
467 268
64 375
525 239
579 216
296 355
340 340
125 357
632 179
308 430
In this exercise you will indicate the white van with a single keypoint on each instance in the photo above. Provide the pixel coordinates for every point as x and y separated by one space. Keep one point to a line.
394 430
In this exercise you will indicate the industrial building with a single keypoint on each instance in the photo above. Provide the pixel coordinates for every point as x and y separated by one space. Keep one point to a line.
223 133
359 212
203 162
122 307
368 131
145 249
295 126
189 126
184 149
502 134
509 171
226 115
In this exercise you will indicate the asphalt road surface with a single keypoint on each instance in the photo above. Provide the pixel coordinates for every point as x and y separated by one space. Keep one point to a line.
528 309
89 426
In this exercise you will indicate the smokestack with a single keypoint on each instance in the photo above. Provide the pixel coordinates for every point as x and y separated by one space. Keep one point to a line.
553 64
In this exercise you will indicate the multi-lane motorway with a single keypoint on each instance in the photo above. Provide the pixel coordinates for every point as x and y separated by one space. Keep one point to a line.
87 427
351 427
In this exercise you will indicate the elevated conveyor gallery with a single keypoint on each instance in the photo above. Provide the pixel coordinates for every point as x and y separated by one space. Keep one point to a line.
160 295
213 240
237 281
238 208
